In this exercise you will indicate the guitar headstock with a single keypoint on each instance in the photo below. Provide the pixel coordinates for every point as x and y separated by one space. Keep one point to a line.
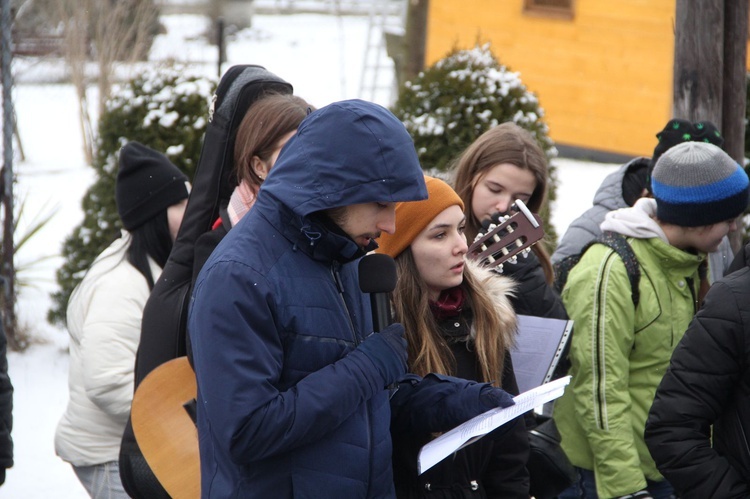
505 237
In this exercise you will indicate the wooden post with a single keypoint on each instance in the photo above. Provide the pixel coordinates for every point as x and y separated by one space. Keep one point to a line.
709 72
734 93
699 60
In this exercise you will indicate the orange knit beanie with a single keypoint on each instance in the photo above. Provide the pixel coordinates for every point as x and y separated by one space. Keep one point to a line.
412 217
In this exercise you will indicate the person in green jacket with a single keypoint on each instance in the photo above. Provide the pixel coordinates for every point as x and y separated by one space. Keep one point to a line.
620 350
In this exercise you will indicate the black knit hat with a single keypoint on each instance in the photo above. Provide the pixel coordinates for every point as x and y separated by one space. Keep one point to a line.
678 131
147 184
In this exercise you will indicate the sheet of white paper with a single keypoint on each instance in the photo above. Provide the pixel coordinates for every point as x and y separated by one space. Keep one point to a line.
539 347
475 428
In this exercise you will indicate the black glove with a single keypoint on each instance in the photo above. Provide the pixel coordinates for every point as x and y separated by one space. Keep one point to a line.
641 494
495 397
387 351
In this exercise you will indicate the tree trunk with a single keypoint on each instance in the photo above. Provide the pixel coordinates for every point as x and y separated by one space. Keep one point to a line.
415 39
709 72
7 268
699 60
735 91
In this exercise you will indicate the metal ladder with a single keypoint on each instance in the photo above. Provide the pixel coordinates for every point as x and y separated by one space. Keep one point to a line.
378 80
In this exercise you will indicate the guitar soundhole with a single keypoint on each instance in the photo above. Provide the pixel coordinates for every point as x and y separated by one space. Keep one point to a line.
191 407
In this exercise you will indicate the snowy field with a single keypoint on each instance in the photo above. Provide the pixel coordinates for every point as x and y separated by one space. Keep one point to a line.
320 55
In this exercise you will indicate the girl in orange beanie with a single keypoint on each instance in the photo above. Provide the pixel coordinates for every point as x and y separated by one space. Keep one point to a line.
459 322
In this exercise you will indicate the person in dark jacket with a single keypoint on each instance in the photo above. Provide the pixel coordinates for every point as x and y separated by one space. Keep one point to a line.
501 166
698 426
292 385
459 322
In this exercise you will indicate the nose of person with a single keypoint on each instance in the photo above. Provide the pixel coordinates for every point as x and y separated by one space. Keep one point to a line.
461 246
387 220
503 203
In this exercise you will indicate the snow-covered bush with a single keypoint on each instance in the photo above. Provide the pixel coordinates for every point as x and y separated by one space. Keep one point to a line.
165 108
460 97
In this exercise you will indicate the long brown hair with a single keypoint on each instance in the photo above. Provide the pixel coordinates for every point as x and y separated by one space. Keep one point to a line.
505 143
428 351
267 120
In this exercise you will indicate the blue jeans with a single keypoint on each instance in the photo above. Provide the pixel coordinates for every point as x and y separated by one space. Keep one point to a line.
585 488
102 481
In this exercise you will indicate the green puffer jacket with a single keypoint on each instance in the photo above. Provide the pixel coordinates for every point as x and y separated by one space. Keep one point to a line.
619 354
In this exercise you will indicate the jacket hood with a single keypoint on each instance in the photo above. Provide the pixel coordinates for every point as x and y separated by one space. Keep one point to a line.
346 153
637 222
609 194
500 288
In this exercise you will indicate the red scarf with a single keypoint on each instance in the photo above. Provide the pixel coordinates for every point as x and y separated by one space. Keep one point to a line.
450 303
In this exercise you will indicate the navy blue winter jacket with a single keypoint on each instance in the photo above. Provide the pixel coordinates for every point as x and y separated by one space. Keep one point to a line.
287 405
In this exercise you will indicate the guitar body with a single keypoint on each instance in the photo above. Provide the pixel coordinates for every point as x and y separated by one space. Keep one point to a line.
164 428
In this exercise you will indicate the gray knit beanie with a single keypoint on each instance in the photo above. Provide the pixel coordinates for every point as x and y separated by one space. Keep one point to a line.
696 183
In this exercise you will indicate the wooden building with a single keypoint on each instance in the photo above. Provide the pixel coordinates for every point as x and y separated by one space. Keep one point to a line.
602 69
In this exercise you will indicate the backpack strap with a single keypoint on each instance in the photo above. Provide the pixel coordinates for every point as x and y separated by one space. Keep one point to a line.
619 244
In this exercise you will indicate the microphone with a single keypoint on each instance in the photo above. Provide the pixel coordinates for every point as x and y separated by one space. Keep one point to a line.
377 276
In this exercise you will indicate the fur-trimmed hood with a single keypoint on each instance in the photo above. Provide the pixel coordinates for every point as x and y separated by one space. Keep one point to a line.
501 288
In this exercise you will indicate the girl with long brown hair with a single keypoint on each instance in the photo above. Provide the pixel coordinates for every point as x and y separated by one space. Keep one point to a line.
503 165
459 322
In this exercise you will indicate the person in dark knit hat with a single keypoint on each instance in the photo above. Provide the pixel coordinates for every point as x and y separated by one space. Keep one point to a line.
620 351
459 321
147 184
104 317
677 131
623 187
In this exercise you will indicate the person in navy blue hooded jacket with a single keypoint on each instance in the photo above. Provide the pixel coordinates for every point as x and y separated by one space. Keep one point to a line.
292 383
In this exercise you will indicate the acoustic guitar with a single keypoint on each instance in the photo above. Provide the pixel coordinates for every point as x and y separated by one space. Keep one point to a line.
163 417
163 410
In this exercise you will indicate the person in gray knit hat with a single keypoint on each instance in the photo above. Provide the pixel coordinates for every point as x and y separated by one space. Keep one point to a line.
621 350
623 187
104 317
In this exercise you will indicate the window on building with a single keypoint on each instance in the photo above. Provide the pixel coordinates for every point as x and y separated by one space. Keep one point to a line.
557 8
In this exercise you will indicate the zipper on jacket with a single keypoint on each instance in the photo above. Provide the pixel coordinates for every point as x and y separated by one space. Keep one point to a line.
691 284
742 432
340 287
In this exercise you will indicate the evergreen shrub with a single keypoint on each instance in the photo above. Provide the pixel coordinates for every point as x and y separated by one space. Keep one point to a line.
447 106
164 108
